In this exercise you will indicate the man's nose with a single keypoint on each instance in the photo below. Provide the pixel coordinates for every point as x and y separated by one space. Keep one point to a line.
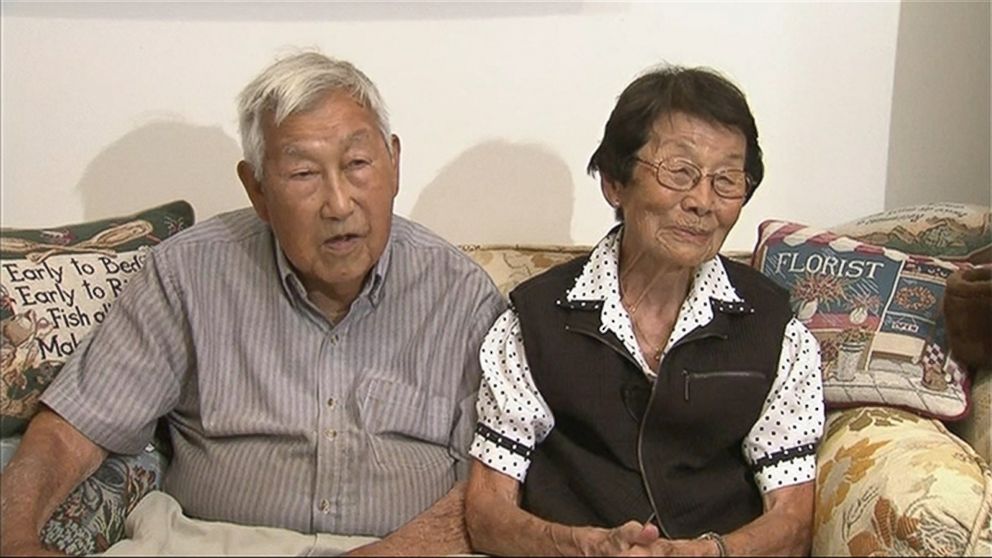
338 201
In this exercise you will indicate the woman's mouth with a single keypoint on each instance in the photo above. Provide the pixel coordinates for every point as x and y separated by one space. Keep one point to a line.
690 234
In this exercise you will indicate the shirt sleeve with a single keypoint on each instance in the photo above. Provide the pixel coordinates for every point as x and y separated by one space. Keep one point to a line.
490 305
781 447
128 371
513 417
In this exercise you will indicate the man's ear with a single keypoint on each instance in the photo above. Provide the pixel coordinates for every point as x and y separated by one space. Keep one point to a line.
253 187
394 141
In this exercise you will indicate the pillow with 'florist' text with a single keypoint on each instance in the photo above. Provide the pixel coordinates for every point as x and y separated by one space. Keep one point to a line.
56 284
876 313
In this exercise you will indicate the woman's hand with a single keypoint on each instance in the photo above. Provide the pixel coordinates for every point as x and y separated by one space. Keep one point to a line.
628 539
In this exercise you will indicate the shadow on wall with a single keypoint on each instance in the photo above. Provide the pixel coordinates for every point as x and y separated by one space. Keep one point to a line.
161 162
500 193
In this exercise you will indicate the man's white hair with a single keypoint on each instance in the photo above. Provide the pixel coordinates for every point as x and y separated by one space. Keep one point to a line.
294 84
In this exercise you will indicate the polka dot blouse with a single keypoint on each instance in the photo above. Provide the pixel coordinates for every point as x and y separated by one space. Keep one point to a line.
514 418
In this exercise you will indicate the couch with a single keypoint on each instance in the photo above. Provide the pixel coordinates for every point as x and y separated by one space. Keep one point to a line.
897 475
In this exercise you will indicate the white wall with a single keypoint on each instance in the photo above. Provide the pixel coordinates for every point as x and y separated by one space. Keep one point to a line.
939 146
109 108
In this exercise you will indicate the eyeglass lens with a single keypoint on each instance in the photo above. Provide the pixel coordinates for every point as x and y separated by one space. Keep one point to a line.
683 175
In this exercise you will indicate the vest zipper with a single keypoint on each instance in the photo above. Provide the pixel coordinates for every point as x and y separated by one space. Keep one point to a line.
700 334
640 463
644 418
640 430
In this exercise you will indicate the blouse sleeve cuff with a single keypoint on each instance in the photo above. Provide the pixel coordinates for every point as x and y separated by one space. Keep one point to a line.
497 456
786 472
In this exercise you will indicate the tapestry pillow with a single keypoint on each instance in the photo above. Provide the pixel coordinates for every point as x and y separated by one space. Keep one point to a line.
56 284
949 231
92 517
876 313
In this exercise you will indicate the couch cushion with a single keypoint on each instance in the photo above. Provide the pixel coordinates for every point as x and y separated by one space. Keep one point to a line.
56 284
509 265
890 483
877 315
949 231
976 429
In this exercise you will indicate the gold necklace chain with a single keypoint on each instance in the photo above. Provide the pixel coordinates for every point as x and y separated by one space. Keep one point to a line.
655 354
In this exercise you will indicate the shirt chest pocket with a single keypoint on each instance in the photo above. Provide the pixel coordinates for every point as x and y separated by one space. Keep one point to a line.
407 426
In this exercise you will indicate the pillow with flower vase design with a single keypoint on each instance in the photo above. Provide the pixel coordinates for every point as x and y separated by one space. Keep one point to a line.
876 313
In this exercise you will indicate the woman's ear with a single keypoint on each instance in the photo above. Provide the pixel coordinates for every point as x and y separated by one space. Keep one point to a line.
611 190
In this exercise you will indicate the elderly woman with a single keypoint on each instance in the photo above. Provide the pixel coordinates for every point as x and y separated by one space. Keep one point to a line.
653 397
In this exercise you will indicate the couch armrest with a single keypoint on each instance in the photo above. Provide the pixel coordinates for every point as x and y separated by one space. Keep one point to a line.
892 483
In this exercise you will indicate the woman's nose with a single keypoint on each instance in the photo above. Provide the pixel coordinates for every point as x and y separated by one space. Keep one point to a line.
701 197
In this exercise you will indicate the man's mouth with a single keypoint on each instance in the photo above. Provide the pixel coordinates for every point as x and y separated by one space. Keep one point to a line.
342 243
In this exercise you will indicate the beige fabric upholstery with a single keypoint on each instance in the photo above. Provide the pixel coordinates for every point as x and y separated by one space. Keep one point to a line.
890 483
976 427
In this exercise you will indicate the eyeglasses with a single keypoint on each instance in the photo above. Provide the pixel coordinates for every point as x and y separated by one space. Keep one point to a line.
682 175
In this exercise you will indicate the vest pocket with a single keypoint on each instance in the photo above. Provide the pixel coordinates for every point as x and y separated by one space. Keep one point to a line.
722 379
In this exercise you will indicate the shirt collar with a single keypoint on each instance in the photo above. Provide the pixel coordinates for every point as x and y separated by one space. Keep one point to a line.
598 281
372 289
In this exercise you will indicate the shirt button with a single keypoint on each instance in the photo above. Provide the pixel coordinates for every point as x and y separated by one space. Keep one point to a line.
325 506
330 433
330 402
335 339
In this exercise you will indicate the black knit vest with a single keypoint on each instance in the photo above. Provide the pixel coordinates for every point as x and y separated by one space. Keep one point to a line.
624 448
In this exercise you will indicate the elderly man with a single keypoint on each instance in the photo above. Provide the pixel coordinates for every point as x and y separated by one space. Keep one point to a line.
315 359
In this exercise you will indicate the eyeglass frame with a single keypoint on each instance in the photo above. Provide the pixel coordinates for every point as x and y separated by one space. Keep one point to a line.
711 175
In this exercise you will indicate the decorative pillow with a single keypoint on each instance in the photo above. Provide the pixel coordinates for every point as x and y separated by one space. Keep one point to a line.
56 284
92 517
949 231
890 483
877 315
509 265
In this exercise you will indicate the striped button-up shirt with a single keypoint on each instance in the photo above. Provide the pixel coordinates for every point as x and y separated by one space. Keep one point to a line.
278 417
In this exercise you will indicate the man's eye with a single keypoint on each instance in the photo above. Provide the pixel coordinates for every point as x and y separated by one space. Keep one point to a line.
302 174
356 164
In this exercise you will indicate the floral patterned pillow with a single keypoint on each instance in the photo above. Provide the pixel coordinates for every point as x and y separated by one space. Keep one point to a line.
891 483
877 315
56 284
